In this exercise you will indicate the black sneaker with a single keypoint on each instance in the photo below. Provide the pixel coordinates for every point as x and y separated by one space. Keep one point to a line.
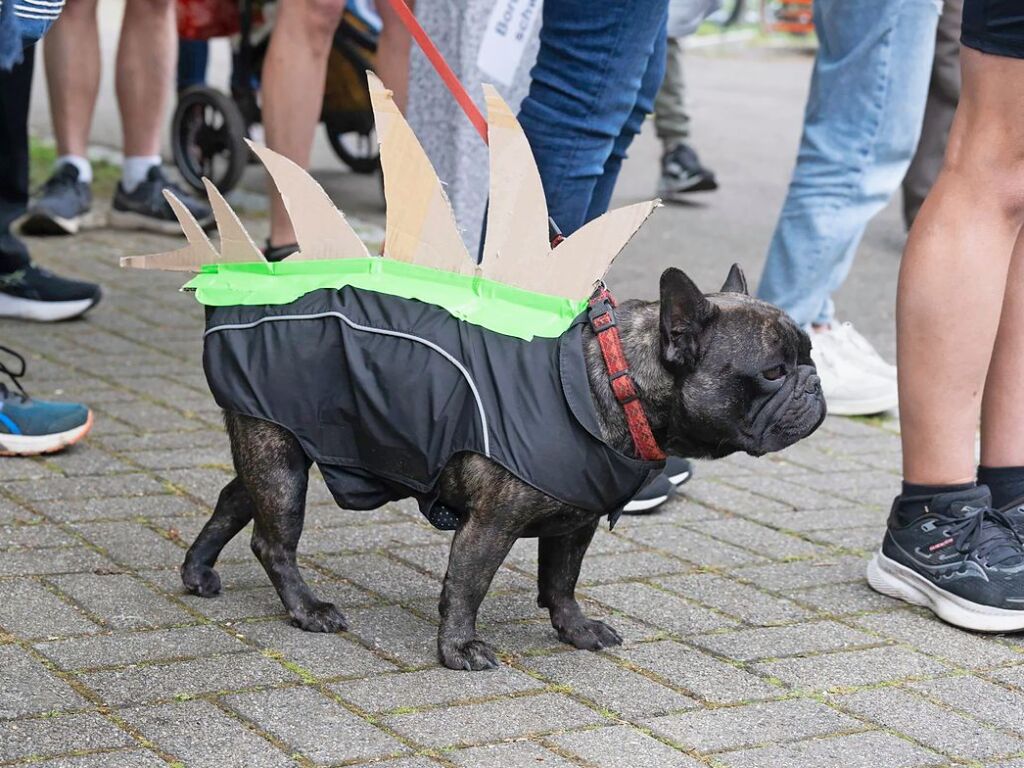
681 172
677 470
145 207
960 559
651 496
60 204
35 294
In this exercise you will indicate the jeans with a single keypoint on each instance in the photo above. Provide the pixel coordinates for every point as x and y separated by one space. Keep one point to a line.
861 127
597 73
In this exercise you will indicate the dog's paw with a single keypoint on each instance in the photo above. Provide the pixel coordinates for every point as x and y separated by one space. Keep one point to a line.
589 635
201 580
472 656
320 617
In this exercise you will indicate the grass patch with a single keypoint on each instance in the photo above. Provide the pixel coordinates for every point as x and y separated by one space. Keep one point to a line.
43 155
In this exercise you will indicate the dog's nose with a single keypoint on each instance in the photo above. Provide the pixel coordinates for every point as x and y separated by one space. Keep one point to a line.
813 384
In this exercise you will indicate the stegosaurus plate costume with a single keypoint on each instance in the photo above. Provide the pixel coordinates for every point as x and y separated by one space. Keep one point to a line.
385 367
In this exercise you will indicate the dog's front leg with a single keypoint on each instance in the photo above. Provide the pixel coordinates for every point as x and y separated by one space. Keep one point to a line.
478 549
559 562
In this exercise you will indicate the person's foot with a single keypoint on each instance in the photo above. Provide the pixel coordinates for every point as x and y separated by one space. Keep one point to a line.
60 204
31 427
853 385
650 497
677 470
36 294
145 207
682 173
960 559
854 343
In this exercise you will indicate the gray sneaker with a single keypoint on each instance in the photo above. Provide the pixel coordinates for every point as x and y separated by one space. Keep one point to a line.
60 204
145 207
961 559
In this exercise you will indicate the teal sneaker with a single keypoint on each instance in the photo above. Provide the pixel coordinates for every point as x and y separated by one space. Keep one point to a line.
30 427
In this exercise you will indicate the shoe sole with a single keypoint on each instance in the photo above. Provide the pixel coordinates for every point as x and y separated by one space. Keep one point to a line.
680 479
37 445
890 578
47 224
861 407
643 505
136 221
44 311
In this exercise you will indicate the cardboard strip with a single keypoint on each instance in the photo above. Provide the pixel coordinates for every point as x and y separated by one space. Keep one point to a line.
421 227
585 256
235 243
320 228
516 244
191 258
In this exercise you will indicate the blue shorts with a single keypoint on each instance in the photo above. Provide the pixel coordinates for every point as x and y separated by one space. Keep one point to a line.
994 26
34 17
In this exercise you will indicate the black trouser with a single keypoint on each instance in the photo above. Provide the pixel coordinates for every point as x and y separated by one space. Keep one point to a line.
15 89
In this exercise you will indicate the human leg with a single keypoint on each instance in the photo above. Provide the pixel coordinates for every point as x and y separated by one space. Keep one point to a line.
862 122
943 95
671 118
292 86
72 57
589 70
392 64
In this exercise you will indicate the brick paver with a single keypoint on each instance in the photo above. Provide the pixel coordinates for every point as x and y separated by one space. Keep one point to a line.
751 638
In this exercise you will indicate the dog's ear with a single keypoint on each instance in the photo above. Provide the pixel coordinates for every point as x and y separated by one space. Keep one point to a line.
684 314
736 282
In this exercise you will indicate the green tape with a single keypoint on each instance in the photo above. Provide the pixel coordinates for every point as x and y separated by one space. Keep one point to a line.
498 307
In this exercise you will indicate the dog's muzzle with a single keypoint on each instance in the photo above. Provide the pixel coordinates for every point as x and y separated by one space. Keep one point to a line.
790 413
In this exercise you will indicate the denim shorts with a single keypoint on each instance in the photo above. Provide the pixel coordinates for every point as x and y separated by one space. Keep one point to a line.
34 17
994 26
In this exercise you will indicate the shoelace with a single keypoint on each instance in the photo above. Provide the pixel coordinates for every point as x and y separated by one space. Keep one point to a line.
989 533
14 376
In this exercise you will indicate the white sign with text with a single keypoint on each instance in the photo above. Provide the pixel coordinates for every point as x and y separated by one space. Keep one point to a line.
509 29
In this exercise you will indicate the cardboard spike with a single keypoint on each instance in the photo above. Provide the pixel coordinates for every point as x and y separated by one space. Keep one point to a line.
186 259
194 233
517 214
420 227
586 254
320 228
235 243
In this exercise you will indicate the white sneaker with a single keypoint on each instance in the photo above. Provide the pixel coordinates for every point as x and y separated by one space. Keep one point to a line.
847 335
852 385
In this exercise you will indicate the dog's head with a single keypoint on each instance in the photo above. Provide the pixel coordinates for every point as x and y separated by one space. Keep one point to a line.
743 379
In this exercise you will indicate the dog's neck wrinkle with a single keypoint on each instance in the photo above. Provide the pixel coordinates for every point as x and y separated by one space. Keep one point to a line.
638 324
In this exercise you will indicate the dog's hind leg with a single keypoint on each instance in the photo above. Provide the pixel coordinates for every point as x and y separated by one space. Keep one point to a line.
275 470
559 562
478 549
233 512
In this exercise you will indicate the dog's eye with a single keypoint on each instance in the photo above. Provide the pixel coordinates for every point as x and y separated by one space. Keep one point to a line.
773 374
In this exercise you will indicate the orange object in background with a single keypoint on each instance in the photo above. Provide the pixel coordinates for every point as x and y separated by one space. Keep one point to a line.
793 16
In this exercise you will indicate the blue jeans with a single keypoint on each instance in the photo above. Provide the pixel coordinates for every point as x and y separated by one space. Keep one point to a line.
861 127
598 71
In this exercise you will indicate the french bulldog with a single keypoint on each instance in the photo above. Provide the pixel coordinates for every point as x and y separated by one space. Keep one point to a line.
715 374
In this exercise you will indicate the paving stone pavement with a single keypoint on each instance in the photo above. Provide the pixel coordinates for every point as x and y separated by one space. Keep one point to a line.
751 639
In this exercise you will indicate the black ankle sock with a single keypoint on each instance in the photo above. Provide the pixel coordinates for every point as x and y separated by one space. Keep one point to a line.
1006 483
911 503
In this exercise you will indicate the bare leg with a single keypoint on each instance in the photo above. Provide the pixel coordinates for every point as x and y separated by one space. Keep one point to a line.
393 53
560 559
952 282
145 61
72 56
233 512
293 88
478 549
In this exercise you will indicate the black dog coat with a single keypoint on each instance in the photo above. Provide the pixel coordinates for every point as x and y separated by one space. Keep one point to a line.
382 391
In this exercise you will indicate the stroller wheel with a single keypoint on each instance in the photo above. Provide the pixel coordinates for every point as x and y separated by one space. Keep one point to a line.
208 138
356 148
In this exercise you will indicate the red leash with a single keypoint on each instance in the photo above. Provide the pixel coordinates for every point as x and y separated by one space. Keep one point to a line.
602 321
439 63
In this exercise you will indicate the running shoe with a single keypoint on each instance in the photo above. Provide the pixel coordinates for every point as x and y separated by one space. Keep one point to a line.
60 205
31 427
961 559
32 293
682 172
145 207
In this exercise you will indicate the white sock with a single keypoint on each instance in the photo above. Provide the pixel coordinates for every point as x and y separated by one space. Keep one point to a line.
81 163
134 170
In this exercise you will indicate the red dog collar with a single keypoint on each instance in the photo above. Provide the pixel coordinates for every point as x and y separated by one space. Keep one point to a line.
602 321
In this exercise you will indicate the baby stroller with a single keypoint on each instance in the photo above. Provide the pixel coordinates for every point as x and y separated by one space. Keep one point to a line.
209 128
